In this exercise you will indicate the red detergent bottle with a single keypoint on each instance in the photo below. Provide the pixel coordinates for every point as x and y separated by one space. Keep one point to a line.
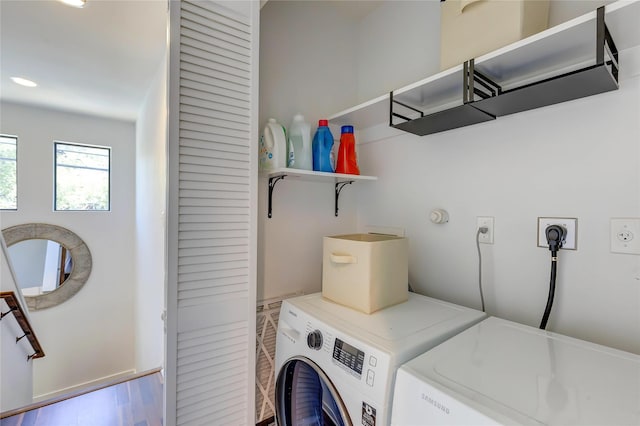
347 161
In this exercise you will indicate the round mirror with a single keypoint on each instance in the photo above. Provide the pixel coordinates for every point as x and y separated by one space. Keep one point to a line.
51 263
41 266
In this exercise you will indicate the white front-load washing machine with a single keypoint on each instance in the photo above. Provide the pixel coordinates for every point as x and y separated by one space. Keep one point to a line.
336 366
500 372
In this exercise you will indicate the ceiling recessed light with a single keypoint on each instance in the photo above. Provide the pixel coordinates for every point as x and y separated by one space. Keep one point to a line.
75 3
24 82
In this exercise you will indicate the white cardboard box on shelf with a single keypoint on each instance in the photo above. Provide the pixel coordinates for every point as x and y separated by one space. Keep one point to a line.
471 28
366 272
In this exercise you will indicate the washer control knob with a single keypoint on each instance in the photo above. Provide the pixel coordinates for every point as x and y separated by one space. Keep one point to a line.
314 340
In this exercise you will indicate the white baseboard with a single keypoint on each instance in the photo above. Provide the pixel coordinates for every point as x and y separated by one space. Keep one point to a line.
81 386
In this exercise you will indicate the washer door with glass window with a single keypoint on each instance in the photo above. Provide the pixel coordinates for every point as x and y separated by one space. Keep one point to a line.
306 397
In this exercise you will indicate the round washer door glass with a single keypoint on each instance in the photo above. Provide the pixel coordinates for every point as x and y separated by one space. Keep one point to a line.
306 397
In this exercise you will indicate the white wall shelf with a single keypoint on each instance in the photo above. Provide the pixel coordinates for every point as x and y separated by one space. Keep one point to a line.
558 50
340 181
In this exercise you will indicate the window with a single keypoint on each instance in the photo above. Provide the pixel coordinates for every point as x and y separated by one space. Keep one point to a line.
8 172
81 177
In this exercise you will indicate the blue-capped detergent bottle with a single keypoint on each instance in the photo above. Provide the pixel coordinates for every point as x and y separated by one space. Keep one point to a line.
322 144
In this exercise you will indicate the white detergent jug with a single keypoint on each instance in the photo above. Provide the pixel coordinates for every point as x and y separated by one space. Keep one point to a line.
299 144
273 146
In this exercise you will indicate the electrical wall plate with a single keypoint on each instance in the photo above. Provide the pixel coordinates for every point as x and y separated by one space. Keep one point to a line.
568 223
625 235
487 221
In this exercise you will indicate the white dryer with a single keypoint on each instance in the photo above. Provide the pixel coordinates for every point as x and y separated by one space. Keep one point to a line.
500 372
337 366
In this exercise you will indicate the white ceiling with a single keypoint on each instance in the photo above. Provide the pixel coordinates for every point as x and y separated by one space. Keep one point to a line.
97 60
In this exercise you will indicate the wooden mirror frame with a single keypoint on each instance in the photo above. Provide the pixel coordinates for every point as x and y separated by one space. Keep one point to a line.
82 261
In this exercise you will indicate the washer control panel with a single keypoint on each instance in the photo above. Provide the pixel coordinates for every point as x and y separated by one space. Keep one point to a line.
359 365
349 356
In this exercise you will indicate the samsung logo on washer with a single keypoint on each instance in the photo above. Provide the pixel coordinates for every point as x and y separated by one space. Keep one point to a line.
440 406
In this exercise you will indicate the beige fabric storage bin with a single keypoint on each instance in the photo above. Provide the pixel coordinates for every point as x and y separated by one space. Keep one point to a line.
471 28
367 272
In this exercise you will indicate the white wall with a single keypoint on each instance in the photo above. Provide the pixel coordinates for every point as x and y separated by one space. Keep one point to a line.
91 335
577 159
393 35
503 169
568 160
563 10
150 224
305 47
16 373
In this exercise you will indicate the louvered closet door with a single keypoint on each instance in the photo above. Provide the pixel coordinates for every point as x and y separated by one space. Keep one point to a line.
211 291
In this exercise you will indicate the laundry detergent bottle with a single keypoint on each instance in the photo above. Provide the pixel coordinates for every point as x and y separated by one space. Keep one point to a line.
322 144
273 146
347 161
299 154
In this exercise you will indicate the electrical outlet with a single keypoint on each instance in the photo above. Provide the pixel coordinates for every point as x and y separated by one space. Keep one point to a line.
568 223
625 235
485 221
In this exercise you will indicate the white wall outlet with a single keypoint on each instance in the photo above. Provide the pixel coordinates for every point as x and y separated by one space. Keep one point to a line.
625 235
485 221
568 223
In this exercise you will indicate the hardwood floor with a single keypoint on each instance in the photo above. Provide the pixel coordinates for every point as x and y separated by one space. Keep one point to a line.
133 403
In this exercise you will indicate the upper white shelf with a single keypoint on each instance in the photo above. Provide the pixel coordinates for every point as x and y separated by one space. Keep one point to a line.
556 50
309 175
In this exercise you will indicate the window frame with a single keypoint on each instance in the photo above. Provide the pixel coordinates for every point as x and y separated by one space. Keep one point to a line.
4 135
55 175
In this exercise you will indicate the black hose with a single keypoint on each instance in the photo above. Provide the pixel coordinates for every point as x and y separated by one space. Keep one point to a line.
555 237
552 291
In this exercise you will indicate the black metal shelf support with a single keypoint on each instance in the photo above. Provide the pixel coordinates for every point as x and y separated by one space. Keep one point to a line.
394 114
590 80
339 187
604 41
488 88
475 85
272 184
